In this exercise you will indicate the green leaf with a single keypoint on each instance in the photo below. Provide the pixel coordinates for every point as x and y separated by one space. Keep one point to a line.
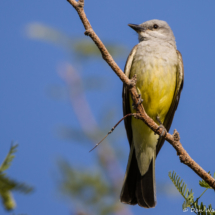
7 184
8 201
203 183
7 162
181 187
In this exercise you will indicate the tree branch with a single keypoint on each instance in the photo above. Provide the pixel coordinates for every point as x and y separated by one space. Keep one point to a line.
174 139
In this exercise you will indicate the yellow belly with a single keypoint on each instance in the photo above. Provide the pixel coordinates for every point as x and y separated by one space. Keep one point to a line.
156 84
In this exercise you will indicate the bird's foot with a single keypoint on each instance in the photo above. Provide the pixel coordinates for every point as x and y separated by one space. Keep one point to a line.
164 131
139 102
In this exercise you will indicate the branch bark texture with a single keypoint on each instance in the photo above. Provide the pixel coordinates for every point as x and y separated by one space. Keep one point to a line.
174 139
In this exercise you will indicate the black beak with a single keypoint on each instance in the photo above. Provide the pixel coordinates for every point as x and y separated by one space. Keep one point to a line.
137 28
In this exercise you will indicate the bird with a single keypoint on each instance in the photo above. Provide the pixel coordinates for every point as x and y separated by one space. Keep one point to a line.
158 66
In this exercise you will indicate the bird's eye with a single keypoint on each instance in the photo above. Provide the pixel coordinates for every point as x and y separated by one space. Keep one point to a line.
155 26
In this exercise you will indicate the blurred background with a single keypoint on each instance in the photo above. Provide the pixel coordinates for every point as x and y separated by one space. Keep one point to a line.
59 98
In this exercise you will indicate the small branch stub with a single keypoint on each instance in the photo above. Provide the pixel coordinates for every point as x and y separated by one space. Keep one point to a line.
80 3
88 32
176 136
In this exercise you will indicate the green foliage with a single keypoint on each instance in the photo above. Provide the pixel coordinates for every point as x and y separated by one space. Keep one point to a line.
86 48
181 187
199 209
82 47
203 183
89 187
7 184
10 156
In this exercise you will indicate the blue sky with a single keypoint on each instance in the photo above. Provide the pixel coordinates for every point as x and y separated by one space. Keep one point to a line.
30 117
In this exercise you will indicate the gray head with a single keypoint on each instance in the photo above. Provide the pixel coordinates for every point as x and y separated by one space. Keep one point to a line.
154 30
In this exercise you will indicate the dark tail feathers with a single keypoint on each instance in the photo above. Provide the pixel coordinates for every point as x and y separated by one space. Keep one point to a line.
139 189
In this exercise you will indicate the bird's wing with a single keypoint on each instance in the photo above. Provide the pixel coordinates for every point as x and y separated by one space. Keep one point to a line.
125 95
179 85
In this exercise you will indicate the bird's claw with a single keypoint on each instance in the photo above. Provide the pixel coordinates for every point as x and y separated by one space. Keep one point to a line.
164 131
139 102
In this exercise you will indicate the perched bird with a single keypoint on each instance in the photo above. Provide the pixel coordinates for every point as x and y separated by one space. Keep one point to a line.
160 74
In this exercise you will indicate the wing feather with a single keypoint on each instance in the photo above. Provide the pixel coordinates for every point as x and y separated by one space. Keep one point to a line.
125 95
179 85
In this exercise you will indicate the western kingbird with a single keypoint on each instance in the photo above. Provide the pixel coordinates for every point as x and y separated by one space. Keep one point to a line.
160 74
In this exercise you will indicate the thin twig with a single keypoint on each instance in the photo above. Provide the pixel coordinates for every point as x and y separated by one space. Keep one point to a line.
174 139
112 129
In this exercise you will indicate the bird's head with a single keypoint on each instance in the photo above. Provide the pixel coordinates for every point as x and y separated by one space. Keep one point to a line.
154 30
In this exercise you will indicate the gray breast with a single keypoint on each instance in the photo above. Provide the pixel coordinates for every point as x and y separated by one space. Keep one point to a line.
149 52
